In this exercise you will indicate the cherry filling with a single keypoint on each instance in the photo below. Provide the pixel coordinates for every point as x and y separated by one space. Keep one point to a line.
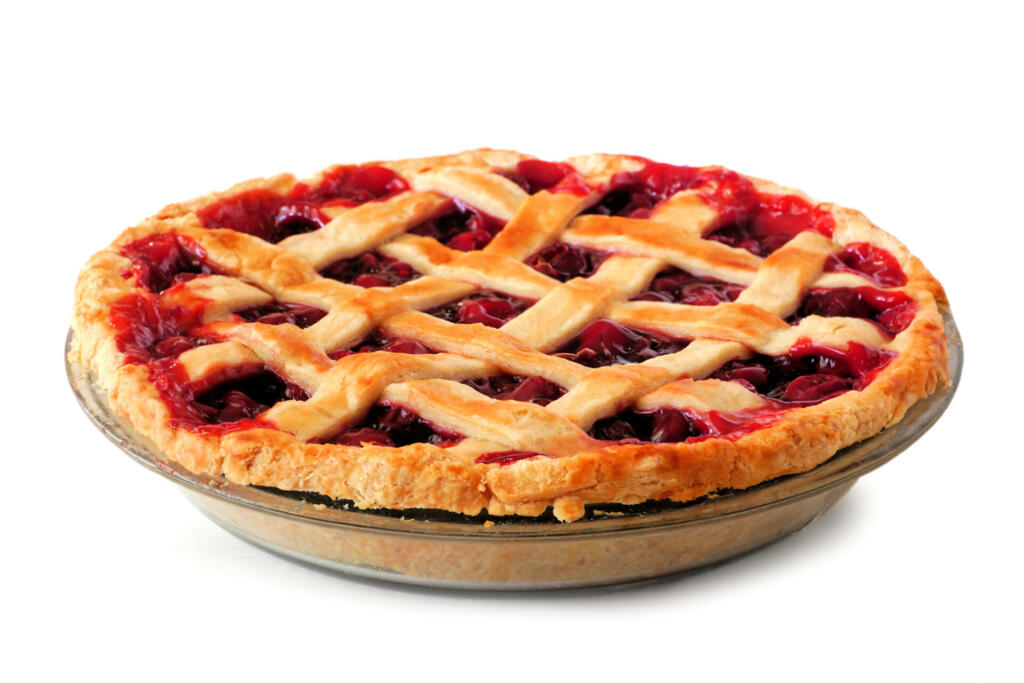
392 425
370 269
633 195
892 311
662 425
162 261
564 261
273 217
264 214
534 175
146 330
234 395
465 228
351 186
604 342
278 313
680 287
378 341
502 458
493 309
769 222
668 425
517 388
867 260
748 219
809 373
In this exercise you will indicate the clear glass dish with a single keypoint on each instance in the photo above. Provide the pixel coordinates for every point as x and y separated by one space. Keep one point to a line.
612 544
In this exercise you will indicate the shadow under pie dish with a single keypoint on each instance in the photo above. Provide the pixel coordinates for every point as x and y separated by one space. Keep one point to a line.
491 332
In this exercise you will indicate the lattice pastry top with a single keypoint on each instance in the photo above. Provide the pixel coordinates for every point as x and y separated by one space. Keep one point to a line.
488 331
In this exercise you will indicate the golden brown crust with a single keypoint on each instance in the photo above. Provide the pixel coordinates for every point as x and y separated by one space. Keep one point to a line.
581 469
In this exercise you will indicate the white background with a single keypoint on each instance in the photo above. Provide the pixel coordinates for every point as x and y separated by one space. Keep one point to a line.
912 115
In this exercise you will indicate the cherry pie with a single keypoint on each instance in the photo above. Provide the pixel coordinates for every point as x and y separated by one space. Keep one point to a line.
489 331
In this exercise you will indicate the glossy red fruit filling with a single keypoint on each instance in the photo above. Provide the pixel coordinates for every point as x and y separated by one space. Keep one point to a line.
871 262
231 398
534 175
737 424
742 236
273 217
892 311
771 221
663 425
668 425
351 186
564 261
146 330
172 347
370 269
604 342
278 313
393 425
633 195
378 341
162 261
264 214
680 287
517 388
748 219
487 307
503 458
465 229
809 373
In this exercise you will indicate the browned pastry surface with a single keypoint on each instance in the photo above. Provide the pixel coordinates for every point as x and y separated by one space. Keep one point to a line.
289 447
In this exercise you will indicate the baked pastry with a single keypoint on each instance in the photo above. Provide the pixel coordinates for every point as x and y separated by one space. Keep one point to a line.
489 331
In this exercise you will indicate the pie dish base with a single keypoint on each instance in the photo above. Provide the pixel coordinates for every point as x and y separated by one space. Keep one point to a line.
613 545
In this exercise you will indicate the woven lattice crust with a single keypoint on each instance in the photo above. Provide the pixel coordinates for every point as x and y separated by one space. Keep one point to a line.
281 450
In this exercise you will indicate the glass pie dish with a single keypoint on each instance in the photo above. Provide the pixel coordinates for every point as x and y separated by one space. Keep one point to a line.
611 544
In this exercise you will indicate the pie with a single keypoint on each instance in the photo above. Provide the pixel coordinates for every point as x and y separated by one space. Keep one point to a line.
487 331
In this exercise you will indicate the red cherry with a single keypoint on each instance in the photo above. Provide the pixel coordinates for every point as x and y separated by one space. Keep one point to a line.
296 219
471 241
814 388
375 180
503 458
670 283
567 261
349 185
161 261
756 376
534 390
700 295
396 418
403 271
406 346
367 280
670 426
172 346
490 312
837 303
608 339
875 263
369 261
277 318
898 318
534 175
